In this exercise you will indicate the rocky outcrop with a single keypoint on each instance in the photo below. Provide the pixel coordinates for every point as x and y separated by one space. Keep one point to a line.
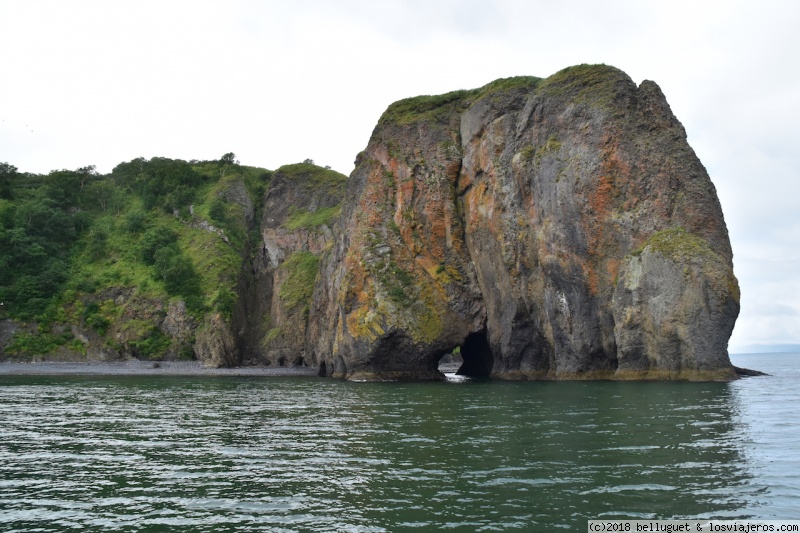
553 229
8 328
300 207
215 346
672 307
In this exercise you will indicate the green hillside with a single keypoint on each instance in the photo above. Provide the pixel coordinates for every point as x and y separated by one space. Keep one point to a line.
128 263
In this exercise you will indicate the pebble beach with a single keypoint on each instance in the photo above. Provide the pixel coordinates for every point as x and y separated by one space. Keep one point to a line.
146 368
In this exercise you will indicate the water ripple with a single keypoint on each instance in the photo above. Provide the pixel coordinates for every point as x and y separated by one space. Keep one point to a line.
307 454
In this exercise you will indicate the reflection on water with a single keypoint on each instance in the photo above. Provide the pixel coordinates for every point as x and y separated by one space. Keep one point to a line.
313 454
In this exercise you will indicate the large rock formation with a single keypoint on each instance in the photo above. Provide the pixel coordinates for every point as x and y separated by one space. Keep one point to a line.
557 228
300 206
553 229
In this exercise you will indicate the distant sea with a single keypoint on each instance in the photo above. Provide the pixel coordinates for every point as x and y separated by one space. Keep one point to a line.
249 453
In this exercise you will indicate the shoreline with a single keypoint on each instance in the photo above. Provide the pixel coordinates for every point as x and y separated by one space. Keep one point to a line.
144 368
135 367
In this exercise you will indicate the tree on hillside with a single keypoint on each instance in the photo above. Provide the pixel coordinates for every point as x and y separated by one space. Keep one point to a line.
160 182
226 161
86 174
36 236
65 187
7 174
104 194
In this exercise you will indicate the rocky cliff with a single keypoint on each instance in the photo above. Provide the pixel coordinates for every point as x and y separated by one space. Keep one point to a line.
300 206
557 228
552 228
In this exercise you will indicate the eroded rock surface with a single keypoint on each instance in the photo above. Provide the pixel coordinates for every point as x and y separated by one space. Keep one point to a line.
300 207
554 229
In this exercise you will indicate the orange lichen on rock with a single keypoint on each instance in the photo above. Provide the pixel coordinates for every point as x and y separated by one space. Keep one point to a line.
517 215
600 198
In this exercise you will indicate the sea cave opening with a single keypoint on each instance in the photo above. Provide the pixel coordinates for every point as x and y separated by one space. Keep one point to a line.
474 354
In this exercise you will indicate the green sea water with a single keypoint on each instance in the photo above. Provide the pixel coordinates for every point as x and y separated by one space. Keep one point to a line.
130 453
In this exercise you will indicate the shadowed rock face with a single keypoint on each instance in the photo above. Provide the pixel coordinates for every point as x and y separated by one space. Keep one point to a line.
277 285
555 229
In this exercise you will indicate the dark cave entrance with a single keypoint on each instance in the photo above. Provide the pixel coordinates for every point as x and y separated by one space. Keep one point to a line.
477 356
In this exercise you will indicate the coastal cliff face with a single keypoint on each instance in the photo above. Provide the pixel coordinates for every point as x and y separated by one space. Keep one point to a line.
300 206
557 228
553 229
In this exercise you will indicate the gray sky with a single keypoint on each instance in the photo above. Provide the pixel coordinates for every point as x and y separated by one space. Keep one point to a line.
100 82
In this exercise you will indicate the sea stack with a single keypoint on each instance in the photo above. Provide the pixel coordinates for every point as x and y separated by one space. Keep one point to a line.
557 228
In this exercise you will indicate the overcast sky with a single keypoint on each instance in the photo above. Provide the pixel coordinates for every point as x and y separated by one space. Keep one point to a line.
276 82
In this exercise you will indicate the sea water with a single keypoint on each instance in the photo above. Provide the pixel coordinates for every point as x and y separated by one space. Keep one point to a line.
133 453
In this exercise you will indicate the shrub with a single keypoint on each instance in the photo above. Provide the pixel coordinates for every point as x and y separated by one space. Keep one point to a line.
155 239
223 301
176 271
398 294
153 345
218 211
36 343
135 222
96 248
99 323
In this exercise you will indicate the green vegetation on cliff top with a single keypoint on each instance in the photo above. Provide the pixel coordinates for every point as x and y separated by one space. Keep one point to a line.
592 84
427 107
507 84
312 174
439 107
321 180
